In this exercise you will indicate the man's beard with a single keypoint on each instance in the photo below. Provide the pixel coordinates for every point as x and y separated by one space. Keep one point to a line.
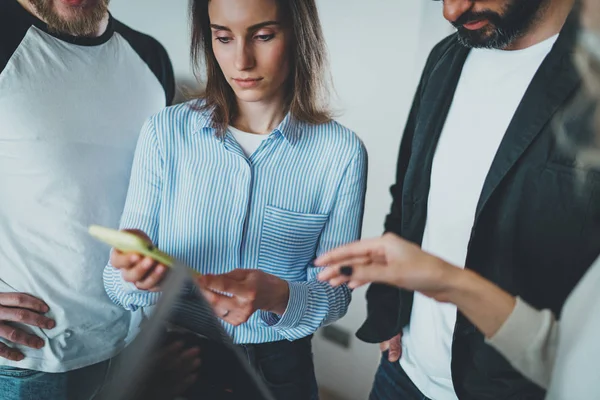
83 21
502 30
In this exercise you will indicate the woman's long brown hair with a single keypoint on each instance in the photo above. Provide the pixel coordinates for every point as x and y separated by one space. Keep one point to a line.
308 83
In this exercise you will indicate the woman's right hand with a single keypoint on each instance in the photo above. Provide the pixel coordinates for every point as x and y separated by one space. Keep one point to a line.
144 272
388 259
394 261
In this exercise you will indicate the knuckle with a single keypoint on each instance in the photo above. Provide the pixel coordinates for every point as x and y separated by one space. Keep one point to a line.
14 335
148 283
126 274
19 298
20 315
118 260
244 304
40 321
29 340
7 353
136 274
212 301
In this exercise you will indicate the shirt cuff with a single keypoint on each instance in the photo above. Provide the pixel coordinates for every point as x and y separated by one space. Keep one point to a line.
295 310
129 289
519 332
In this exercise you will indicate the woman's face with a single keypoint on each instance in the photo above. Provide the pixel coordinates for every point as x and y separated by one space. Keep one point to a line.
251 47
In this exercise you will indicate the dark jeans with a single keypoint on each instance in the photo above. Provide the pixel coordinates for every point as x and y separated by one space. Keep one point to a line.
79 384
286 368
392 383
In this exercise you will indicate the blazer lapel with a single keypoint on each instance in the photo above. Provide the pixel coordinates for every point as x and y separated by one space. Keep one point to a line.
551 87
435 104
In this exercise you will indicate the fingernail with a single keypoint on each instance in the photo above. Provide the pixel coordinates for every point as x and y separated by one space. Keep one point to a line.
40 343
346 270
50 324
20 357
159 270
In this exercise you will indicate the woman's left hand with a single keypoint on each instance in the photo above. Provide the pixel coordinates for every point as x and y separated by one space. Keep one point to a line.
237 295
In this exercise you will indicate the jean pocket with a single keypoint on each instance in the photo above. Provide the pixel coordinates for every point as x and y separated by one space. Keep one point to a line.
289 241
287 377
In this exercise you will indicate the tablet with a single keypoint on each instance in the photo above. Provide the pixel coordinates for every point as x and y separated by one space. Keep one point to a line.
183 315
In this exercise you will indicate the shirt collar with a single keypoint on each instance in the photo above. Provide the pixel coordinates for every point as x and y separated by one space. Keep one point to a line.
290 128
203 122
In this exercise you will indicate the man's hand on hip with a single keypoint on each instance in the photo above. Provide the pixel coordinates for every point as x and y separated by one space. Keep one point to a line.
21 308
394 345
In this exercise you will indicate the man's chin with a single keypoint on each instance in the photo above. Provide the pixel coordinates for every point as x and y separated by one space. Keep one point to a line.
483 38
77 18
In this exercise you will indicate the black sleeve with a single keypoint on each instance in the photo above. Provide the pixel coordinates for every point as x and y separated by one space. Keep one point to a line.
154 55
384 302
13 28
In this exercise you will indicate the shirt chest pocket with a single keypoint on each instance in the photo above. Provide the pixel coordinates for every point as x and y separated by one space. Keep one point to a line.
288 242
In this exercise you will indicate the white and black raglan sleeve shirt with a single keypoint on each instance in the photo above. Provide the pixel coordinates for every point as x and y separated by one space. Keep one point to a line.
71 110
15 22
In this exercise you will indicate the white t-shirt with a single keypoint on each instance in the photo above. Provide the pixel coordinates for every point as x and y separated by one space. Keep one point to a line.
489 91
249 142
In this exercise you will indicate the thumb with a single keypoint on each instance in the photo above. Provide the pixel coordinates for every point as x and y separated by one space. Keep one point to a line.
395 349
383 346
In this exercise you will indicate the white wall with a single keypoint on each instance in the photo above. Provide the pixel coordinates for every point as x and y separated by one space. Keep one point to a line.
167 21
377 48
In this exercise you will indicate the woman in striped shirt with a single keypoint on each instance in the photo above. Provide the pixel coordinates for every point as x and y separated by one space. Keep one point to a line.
248 184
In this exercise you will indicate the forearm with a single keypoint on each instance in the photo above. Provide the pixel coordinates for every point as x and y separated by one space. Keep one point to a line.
525 336
485 304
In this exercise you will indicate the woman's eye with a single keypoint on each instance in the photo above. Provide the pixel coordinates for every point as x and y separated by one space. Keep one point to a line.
223 39
265 38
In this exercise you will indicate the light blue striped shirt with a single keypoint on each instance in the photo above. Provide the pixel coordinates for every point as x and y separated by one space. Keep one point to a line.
200 199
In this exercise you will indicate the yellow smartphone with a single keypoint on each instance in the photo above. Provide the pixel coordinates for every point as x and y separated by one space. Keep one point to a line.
129 243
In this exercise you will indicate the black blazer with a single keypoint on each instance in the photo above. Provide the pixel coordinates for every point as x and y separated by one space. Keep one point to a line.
536 228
